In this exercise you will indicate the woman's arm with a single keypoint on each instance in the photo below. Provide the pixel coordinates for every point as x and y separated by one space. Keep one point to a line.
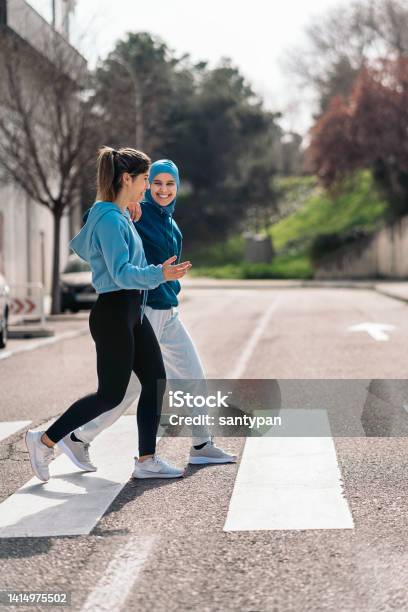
109 235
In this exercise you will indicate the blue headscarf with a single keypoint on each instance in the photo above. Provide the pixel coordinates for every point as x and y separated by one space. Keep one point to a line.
169 167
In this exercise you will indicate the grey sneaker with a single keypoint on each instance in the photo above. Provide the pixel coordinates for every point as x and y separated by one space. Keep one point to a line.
210 454
155 468
78 452
40 454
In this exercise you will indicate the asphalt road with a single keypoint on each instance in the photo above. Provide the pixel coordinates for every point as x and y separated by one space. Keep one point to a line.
184 560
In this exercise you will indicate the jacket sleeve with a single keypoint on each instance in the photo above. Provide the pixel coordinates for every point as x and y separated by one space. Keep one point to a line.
110 237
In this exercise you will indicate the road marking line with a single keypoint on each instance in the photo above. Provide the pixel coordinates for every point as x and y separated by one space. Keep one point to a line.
120 576
246 354
289 483
45 342
8 428
72 502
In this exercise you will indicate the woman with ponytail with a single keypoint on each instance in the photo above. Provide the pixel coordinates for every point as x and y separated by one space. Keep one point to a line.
124 338
161 238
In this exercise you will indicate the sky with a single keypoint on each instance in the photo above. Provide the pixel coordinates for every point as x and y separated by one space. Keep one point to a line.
255 34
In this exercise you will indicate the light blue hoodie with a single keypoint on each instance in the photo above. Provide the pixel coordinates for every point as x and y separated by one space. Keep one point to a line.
110 244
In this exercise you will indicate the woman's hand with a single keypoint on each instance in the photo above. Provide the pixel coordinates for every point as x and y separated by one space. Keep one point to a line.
171 272
135 211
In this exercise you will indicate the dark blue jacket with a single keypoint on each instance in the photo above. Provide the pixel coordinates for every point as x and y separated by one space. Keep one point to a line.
161 239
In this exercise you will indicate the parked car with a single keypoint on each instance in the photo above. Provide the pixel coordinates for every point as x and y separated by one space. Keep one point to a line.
77 292
4 311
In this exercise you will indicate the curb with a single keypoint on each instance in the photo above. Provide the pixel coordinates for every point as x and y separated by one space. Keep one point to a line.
25 331
276 284
5 354
394 296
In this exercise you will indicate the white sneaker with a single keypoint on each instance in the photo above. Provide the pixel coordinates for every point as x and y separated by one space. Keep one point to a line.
154 467
40 454
210 454
78 452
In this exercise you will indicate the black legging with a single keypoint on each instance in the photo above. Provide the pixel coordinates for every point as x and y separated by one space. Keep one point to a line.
123 344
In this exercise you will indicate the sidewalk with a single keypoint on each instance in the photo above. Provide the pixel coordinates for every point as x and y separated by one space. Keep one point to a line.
65 327
395 289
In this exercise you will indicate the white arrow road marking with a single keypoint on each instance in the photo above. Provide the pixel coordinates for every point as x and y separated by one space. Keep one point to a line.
8 428
289 483
375 330
72 502
120 576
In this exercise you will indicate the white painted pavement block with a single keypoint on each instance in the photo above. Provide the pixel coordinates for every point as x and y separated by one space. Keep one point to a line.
8 428
289 483
72 502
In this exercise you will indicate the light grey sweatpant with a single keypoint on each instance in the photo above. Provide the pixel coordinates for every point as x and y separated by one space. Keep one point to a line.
181 361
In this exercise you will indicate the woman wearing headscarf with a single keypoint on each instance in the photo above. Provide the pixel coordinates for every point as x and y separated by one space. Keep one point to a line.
161 239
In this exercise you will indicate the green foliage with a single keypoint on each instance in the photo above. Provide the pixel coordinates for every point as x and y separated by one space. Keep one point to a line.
324 244
223 145
357 206
320 224
293 193
132 87
208 120
297 266
230 251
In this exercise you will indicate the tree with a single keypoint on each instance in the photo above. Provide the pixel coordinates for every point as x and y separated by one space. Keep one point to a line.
368 130
341 42
44 128
208 121
225 138
133 86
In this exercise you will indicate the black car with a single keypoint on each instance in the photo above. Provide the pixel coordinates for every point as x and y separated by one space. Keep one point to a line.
77 292
4 311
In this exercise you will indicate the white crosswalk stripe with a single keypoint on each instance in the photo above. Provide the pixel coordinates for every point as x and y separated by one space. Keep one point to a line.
289 483
8 428
72 502
283 483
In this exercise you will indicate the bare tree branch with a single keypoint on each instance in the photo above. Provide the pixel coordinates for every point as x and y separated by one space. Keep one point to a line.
43 133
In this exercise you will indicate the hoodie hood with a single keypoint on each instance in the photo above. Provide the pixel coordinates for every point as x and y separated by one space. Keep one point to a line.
81 243
168 167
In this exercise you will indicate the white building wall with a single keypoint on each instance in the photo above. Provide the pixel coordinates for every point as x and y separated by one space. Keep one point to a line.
28 239
27 227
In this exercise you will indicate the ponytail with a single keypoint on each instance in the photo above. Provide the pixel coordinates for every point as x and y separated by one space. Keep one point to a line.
105 174
111 165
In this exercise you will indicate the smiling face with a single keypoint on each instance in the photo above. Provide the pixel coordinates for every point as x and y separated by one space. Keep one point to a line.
163 188
135 186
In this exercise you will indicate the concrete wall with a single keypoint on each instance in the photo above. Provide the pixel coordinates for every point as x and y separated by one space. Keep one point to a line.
27 241
385 254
